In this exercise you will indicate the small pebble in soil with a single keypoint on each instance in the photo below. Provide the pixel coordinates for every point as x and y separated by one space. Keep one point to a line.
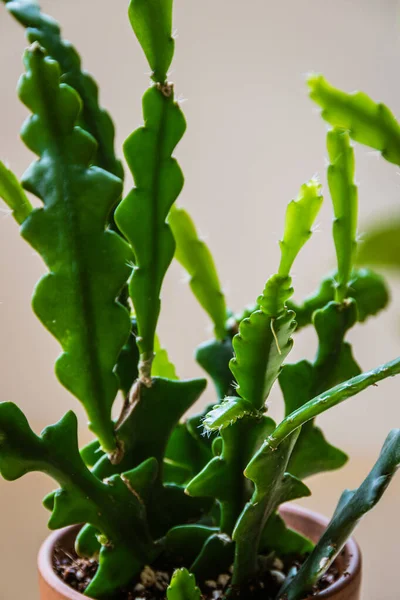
152 583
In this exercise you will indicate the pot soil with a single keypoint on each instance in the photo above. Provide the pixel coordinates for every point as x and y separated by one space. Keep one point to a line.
345 587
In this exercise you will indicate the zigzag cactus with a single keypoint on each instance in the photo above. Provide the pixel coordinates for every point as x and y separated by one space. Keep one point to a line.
152 490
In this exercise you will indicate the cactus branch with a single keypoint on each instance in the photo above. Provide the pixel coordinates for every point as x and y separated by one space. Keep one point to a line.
345 205
366 121
331 398
13 195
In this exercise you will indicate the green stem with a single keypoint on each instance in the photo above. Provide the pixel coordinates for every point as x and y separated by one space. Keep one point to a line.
331 398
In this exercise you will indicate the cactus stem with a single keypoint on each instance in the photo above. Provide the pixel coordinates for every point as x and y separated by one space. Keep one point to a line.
145 369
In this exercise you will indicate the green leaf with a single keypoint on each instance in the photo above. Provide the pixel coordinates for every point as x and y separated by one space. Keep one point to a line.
127 367
110 506
345 205
261 346
380 245
267 470
194 255
351 508
300 382
367 288
214 357
184 542
222 478
228 412
151 21
94 119
332 397
312 453
280 539
367 122
187 451
145 433
215 557
162 366
300 216
87 264
264 338
13 195
91 453
183 586
334 361
142 215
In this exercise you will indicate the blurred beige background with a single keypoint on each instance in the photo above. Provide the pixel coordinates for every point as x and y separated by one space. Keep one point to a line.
253 137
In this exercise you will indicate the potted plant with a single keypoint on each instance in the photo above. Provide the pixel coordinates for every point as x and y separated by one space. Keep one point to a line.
159 506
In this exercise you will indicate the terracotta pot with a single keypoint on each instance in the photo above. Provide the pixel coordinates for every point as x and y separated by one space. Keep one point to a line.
347 587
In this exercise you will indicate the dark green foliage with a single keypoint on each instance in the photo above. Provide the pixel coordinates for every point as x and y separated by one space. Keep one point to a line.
214 356
151 21
331 398
76 301
222 478
334 363
109 507
142 215
367 288
273 485
127 368
276 537
156 487
45 30
351 507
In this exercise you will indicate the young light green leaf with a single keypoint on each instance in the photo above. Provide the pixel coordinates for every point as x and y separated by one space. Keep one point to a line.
12 192
264 338
94 119
151 21
300 216
88 265
267 470
228 412
194 255
162 366
345 206
183 586
367 122
142 215
351 508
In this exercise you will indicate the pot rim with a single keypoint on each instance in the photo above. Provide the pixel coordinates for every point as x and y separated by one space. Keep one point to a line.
352 552
352 557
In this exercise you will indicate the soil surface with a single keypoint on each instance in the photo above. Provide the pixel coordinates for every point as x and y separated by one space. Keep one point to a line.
152 584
